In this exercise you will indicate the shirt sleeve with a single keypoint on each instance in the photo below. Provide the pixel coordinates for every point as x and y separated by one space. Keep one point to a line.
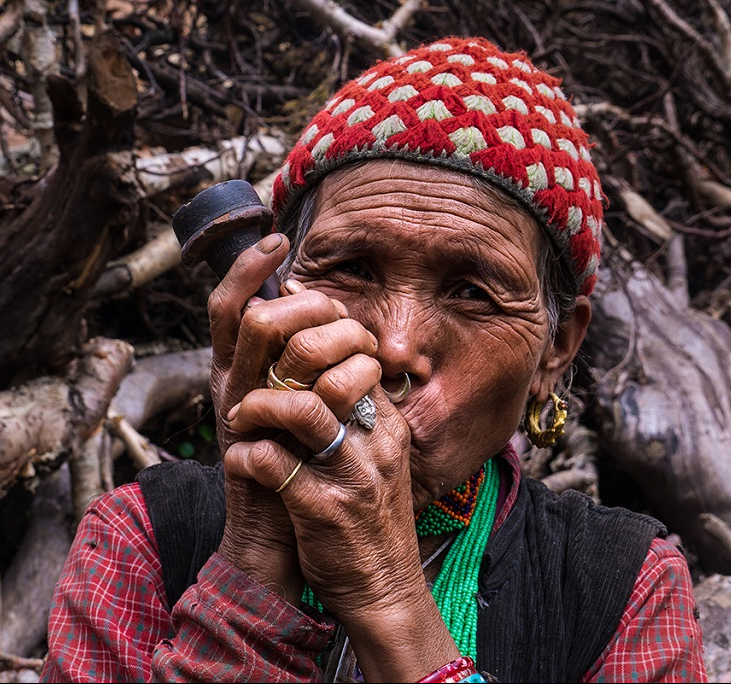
659 636
109 620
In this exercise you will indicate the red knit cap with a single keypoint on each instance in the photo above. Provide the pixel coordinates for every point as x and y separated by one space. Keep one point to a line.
464 104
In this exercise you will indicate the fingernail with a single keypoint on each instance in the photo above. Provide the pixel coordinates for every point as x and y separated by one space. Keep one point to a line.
293 286
341 309
374 338
232 413
269 243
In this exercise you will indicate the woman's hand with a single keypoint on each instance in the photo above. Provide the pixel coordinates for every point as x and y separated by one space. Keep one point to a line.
343 524
258 536
353 512
350 512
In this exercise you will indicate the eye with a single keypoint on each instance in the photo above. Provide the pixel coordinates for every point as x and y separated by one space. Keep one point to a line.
353 267
471 291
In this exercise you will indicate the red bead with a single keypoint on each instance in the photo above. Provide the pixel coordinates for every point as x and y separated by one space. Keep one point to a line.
456 671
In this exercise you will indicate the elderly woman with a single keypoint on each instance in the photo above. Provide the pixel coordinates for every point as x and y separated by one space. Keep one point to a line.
438 237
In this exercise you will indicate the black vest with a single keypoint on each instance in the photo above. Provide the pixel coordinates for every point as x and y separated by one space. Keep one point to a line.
553 585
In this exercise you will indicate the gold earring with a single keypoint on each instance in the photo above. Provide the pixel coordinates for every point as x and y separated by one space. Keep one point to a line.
549 436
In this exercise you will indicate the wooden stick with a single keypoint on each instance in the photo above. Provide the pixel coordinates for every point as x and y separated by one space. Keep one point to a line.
382 40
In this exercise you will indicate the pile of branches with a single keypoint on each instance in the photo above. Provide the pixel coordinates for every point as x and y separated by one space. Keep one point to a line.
112 114
651 78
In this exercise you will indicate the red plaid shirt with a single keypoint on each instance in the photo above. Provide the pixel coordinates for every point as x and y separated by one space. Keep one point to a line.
109 620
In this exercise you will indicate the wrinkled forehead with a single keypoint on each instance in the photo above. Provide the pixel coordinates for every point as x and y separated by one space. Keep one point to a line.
463 202
394 209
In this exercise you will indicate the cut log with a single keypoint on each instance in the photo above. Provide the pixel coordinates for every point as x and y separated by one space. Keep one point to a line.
28 585
53 252
713 598
663 402
46 419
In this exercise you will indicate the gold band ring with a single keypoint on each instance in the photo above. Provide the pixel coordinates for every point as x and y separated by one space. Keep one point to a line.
402 392
291 476
288 385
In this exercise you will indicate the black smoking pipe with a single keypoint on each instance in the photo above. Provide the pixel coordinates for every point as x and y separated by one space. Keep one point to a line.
219 223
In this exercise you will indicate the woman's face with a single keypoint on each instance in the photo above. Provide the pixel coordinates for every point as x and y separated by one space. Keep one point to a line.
446 278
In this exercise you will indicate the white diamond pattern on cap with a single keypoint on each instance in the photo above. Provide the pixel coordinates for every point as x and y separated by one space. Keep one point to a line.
568 147
366 78
467 140
360 115
388 127
513 102
421 67
331 103
537 176
381 83
344 106
480 103
546 91
434 109
402 93
310 133
322 145
593 263
564 177
540 137
512 136
585 185
285 174
547 114
449 80
484 77
461 59
499 63
575 217
523 85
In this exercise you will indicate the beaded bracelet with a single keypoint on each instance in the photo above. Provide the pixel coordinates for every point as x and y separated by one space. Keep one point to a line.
460 670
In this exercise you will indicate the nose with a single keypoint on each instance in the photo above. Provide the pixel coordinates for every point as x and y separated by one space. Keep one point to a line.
404 343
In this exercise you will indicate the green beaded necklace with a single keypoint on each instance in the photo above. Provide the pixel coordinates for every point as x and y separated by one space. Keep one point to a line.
455 587
470 509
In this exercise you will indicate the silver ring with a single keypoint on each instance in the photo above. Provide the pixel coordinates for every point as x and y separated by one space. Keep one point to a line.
364 412
402 392
334 445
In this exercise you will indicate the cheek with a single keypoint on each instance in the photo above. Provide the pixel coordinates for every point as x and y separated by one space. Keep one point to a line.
482 399
467 413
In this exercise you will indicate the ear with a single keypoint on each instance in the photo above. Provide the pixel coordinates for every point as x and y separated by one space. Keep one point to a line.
560 352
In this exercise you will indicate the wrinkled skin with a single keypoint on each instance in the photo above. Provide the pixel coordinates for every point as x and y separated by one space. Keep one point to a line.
406 268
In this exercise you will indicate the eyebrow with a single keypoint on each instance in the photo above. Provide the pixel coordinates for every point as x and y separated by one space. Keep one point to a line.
463 262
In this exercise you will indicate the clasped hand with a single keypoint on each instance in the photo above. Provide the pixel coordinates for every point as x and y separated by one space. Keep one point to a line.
344 524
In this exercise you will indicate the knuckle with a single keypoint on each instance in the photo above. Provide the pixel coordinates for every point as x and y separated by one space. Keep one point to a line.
263 454
257 319
308 409
303 346
332 385
216 304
